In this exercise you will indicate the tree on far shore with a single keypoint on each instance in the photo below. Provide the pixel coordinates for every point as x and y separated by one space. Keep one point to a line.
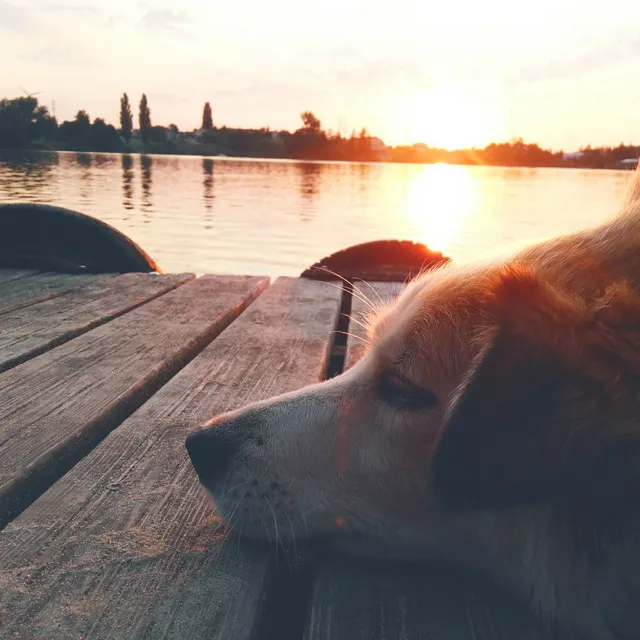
207 119
144 118
82 124
311 123
126 118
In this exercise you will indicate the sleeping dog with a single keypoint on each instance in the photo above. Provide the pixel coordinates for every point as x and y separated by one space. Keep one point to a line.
494 422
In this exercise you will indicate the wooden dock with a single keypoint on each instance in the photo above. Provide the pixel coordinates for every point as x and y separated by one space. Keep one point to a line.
107 532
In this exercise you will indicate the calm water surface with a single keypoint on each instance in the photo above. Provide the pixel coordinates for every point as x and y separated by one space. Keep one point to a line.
277 217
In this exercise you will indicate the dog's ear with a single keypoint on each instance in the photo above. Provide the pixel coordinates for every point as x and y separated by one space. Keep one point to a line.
531 423
492 448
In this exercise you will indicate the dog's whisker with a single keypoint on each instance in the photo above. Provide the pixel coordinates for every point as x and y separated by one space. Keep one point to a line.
229 520
355 290
293 542
358 322
356 293
225 525
340 287
235 537
222 535
303 517
369 304
278 542
235 486
380 301
333 273
239 538
359 294
275 519
353 335
221 526
281 542
271 544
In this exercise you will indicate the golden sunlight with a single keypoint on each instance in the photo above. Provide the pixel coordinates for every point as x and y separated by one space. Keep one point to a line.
439 200
453 117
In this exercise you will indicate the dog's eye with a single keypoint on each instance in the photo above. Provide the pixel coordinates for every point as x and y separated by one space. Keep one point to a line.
403 394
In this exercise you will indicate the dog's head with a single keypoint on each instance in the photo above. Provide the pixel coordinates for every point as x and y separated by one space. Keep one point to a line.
484 388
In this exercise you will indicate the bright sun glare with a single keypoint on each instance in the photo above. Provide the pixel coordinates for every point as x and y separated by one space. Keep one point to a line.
439 199
452 117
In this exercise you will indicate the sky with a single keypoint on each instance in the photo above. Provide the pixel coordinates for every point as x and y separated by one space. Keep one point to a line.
561 73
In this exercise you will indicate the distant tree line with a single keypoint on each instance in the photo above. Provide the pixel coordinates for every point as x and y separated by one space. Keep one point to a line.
25 124
517 153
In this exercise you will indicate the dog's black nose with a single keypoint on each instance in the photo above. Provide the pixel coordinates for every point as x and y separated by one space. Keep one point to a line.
210 451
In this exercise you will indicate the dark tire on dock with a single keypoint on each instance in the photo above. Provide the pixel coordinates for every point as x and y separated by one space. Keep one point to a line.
51 238
379 260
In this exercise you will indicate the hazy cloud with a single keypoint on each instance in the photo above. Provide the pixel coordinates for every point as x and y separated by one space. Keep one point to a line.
349 70
594 60
167 98
379 74
274 90
166 20
113 21
15 18
72 8
60 55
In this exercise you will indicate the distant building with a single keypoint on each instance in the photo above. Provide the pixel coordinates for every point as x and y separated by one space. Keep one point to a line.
629 163
172 133
573 156
189 138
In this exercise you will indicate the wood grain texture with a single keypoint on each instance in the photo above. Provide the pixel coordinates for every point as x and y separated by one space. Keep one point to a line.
6 275
58 406
359 600
353 599
21 292
44 324
366 299
124 545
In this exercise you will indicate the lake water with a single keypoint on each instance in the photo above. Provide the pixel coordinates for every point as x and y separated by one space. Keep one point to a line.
222 215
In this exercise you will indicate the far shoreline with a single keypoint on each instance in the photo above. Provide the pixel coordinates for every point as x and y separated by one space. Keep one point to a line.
7 152
27 125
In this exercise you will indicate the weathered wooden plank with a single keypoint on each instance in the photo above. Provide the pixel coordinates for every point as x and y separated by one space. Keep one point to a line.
124 545
6 275
58 406
32 330
22 292
354 599
367 297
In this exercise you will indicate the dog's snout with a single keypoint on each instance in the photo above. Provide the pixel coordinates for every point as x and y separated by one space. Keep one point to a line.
211 450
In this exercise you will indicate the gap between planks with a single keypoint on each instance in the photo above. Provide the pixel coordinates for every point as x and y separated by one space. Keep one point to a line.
125 545
357 599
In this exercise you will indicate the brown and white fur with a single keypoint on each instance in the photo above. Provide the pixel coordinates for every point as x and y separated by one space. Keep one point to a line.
493 423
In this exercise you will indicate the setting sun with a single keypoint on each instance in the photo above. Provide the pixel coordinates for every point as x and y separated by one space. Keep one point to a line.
453 117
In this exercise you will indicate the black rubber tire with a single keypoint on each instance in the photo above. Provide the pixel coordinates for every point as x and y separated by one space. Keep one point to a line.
381 260
51 238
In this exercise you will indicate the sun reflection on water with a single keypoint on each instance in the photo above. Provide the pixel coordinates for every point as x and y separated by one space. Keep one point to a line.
440 200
